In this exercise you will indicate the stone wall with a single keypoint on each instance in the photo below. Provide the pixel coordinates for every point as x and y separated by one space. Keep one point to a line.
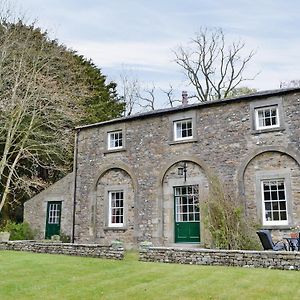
67 249
284 260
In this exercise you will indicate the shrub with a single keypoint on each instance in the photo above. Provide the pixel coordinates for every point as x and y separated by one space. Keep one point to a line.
226 221
18 231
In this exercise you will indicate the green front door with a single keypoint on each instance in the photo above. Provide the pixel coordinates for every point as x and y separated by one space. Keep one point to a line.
53 219
187 214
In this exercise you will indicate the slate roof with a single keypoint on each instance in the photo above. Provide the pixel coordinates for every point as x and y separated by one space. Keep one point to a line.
257 95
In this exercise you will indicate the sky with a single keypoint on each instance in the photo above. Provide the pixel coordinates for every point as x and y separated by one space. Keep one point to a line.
138 37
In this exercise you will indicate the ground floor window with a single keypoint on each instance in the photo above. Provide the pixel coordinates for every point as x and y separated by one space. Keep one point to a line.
116 208
274 202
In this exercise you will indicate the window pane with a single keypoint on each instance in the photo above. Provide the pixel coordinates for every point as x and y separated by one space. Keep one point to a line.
267 195
283 215
273 191
275 216
282 205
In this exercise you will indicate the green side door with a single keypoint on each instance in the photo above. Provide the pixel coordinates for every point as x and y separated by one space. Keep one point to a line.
187 214
53 219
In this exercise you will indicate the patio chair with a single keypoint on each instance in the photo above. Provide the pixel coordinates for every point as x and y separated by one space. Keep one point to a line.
267 242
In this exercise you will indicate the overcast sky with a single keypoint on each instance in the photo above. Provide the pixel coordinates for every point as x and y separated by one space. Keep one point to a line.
139 35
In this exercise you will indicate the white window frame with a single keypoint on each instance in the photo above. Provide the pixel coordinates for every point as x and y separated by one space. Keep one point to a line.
54 213
111 207
112 140
276 222
180 138
259 109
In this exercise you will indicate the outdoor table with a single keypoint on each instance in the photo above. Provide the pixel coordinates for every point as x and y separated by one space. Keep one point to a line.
293 243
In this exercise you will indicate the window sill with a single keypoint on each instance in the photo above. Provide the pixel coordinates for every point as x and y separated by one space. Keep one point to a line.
114 150
276 227
193 140
258 131
115 228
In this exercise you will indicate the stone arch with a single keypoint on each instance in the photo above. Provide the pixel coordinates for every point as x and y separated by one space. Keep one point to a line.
241 171
178 159
120 166
113 177
271 163
197 173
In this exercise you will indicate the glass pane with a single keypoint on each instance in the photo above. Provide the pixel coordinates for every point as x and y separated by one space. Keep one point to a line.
274 195
267 205
275 205
267 195
283 215
275 216
282 205
268 122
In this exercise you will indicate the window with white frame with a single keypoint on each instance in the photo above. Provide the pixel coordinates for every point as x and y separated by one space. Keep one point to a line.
54 213
267 117
274 202
116 208
115 140
183 129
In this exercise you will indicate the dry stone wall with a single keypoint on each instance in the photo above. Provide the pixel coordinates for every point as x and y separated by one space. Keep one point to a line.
283 260
94 250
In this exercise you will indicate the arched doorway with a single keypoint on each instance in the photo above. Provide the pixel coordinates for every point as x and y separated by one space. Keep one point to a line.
184 187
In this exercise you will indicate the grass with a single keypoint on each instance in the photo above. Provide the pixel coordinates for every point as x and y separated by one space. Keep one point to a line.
44 276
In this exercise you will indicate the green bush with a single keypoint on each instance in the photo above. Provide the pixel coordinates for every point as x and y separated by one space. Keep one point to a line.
18 231
226 221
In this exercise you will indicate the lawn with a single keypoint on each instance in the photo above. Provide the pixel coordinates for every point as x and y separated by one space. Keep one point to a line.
44 276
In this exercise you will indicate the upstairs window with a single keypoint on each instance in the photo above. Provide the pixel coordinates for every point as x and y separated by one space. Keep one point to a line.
116 208
183 130
266 117
274 202
115 140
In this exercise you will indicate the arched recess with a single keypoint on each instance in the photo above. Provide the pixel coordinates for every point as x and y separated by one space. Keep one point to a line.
271 163
285 150
195 173
114 178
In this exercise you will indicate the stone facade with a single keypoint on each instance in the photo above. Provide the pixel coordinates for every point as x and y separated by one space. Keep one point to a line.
151 161
237 258
224 143
66 249
35 210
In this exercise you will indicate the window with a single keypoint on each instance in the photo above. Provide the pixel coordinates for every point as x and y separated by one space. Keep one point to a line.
54 213
115 140
116 208
187 203
274 202
183 129
266 117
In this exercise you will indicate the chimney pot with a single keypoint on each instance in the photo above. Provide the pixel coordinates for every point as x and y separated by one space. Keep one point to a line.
184 98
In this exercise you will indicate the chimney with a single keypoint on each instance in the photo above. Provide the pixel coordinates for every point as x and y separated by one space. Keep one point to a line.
184 98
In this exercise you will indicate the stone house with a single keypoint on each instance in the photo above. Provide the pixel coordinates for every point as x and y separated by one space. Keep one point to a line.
142 177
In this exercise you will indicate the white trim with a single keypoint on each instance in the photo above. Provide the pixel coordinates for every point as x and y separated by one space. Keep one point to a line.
110 223
257 126
176 138
109 140
266 222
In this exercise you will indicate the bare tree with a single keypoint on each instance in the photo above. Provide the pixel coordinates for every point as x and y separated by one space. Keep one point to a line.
147 98
290 84
212 67
36 81
130 92
170 96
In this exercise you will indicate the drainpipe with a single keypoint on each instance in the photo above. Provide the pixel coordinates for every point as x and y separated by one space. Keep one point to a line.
75 183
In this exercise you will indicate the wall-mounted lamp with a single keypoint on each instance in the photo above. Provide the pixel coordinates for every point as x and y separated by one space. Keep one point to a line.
182 169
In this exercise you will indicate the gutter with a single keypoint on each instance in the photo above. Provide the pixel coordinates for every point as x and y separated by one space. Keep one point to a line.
75 184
